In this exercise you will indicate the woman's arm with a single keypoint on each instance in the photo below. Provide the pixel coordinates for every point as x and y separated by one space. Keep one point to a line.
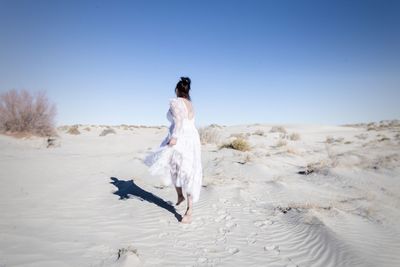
178 117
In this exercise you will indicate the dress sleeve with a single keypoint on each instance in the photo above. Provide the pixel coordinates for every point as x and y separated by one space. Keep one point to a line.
177 115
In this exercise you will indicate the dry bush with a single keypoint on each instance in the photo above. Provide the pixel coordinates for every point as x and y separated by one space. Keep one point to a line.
22 112
74 130
107 131
63 128
259 132
361 136
214 125
281 142
209 135
87 129
238 144
294 136
239 135
331 140
383 138
277 129
293 151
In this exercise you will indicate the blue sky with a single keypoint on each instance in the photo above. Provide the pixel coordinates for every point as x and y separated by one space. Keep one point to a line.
114 62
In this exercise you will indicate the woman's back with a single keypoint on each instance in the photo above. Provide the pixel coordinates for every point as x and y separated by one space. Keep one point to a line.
189 108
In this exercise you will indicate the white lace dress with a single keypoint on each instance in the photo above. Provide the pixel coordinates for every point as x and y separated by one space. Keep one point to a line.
179 164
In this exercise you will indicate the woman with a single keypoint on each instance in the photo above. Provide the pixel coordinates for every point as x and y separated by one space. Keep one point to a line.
178 158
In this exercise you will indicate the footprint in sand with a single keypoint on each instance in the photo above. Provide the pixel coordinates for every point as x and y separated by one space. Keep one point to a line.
202 260
230 225
263 224
251 239
162 235
220 218
221 239
273 248
233 250
128 257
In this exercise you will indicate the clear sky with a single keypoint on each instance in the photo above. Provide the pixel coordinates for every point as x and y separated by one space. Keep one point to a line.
114 62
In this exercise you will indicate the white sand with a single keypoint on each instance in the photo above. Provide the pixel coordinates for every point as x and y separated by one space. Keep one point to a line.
60 207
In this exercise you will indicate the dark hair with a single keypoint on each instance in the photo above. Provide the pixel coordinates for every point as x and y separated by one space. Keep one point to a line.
183 88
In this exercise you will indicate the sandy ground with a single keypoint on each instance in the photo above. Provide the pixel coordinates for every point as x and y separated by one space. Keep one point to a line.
88 200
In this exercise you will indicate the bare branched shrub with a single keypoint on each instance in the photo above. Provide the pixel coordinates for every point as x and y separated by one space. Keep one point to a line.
294 136
361 136
281 142
239 135
383 138
238 144
278 129
331 140
63 128
259 132
209 135
87 129
22 112
107 131
74 130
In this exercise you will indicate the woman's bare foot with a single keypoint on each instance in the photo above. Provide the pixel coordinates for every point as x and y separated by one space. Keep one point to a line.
187 218
181 198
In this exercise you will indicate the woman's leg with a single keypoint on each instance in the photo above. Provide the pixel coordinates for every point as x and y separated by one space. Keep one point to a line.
181 198
187 218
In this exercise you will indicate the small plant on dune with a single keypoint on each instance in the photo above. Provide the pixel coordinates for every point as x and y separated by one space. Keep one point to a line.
239 135
107 131
87 129
361 136
22 113
63 128
74 130
259 132
209 135
383 138
294 136
277 129
281 142
331 140
238 144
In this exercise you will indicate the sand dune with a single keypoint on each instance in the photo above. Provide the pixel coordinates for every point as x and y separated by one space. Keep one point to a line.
325 196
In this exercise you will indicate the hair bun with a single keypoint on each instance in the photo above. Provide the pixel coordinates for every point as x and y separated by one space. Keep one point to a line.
186 80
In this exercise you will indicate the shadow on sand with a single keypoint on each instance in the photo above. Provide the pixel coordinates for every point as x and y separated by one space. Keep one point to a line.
126 189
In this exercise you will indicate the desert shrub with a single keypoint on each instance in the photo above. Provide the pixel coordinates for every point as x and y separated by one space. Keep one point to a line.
107 131
278 129
361 136
239 135
238 144
331 140
294 136
259 132
74 130
63 128
209 135
87 129
383 138
23 112
214 125
281 142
